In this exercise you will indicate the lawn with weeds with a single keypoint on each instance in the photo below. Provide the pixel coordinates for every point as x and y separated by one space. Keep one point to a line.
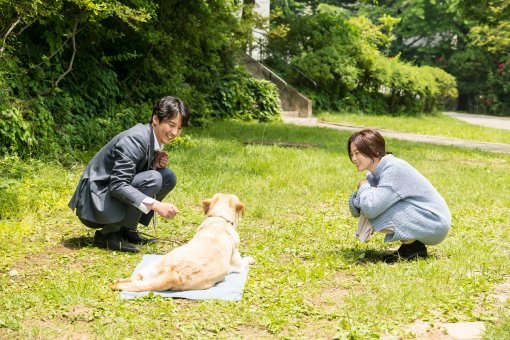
426 124
312 277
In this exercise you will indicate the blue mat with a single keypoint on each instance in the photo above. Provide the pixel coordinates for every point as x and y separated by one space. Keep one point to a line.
230 289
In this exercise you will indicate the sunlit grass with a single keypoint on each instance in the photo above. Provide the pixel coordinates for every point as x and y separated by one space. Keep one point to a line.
312 278
433 124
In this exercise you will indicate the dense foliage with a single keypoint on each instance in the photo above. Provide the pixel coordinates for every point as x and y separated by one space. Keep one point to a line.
74 72
240 96
468 39
345 55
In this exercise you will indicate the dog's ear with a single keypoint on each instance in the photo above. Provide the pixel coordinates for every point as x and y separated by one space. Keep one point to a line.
206 204
240 209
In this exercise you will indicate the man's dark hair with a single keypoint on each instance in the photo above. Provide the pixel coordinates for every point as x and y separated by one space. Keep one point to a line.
368 142
169 107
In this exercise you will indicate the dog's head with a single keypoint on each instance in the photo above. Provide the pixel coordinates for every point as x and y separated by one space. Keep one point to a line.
227 206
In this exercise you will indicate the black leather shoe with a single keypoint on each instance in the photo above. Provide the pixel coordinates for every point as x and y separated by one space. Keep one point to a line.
134 237
114 241
407 252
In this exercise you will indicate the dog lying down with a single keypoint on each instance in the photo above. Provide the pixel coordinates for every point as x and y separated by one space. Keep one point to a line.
202 262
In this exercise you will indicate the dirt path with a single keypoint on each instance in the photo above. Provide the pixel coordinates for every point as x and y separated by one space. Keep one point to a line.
413 137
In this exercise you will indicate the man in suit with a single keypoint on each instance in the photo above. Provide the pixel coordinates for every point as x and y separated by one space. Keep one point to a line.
126 181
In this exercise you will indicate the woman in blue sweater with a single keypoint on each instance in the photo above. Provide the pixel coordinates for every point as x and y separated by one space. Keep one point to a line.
395 199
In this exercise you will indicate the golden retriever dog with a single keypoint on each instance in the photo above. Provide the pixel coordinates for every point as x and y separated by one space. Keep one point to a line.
202 262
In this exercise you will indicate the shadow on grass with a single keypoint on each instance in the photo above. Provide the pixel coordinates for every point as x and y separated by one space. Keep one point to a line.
78 242
363 256
161 246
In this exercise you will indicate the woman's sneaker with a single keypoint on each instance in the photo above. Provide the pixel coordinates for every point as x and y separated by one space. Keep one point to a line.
407 252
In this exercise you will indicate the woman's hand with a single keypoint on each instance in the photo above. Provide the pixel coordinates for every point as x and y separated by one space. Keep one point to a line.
161 160
363 181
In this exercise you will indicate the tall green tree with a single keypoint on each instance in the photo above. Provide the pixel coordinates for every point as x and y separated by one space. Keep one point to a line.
74 72
42 48
346 55
490 36
469 39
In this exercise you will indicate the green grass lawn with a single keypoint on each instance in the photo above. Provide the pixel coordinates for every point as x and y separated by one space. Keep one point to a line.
434 124
312 278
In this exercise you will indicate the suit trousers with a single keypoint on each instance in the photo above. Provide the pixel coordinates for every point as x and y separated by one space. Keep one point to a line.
153 183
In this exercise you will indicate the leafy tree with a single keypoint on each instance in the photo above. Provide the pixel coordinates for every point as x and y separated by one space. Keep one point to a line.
74 72
469 39
491 20
346 56
490 39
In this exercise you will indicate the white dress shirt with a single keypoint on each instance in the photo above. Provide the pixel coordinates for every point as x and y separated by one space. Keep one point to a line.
149 200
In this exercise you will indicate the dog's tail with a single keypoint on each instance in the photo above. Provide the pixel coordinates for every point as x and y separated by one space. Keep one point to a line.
167 280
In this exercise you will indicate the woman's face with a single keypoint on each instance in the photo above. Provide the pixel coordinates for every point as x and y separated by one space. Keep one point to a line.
361 161
168 129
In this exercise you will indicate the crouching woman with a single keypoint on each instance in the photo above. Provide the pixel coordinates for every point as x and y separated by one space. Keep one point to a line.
395 199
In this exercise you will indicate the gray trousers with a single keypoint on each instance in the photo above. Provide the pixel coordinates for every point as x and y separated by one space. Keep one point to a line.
153 183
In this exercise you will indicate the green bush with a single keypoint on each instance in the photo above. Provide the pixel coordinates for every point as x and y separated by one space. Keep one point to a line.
26 126
93 132
244 97
345 57
14 130
444 86
405 88
496 98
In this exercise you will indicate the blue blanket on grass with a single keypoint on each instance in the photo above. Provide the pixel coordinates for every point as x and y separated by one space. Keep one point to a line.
230 289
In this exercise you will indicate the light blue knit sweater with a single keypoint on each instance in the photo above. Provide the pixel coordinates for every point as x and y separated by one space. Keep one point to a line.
404 200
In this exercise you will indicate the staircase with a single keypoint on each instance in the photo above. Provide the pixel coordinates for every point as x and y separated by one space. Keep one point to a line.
293 103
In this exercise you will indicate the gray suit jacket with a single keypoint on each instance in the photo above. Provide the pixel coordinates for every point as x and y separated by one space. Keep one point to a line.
104 192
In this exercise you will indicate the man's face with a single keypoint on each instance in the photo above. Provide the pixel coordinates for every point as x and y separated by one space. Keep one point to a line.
168 129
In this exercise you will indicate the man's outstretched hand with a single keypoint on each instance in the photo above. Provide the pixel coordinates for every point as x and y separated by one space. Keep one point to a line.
167 210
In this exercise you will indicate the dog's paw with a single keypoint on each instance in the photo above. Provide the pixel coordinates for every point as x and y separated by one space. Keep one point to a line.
249 260
114 286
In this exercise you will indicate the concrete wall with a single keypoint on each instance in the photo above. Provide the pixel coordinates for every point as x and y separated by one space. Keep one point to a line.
292 102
